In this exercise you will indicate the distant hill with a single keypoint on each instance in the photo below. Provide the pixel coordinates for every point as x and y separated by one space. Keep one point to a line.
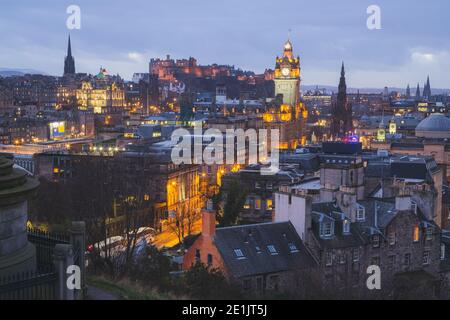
10 72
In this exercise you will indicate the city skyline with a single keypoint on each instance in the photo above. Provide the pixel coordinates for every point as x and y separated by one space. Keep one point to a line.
323 34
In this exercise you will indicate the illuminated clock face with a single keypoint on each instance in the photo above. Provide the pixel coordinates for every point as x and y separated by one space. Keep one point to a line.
285 72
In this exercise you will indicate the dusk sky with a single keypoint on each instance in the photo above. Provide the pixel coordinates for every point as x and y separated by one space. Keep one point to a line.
122 36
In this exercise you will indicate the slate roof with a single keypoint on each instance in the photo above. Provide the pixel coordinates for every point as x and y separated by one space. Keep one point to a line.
253 240
379 214
330 211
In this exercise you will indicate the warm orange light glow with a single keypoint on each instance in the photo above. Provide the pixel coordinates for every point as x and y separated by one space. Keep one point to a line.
416 234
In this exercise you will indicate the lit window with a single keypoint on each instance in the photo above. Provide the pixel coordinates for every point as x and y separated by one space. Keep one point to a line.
269 204
247 204
416 234
257 204
272 249
239 254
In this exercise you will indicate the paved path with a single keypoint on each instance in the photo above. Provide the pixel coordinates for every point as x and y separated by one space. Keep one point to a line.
95 293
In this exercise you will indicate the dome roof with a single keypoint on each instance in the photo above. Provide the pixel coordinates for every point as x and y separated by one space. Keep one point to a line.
436 125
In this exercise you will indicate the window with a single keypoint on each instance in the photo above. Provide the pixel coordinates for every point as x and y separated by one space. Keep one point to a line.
355 255
376 241
416 234
210 259
360 214
259 284
375 261
414 207
429 234
442 251
247 284
292 247
391 237
426 258
274 282
258 249
257 204
247 204
346 226
407 259
326 229
269 185
257 185
342 258
269 204
239 254
197 254
391 261
272 249
328 259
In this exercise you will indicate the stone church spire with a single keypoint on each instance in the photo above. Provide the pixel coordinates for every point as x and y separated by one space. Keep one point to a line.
69 62
341 110
418 92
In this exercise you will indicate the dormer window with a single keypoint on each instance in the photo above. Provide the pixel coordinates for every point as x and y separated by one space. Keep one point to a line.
346 226
326 229
239 254
361 214
292 247
272 250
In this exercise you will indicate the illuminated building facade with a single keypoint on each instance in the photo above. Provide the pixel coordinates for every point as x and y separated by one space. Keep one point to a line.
100 96
287 113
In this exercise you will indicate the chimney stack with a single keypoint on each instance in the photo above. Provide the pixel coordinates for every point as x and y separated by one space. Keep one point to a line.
208 220
403 202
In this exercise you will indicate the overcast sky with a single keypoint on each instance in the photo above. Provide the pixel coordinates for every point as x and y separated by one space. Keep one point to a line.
122 36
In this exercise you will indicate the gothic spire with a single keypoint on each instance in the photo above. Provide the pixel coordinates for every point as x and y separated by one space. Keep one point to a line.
418 92
69 62
69 48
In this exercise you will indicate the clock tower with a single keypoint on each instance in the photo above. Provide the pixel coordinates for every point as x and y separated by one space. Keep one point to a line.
287 115
287 76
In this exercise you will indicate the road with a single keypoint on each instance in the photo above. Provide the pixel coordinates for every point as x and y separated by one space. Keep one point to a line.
167 238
